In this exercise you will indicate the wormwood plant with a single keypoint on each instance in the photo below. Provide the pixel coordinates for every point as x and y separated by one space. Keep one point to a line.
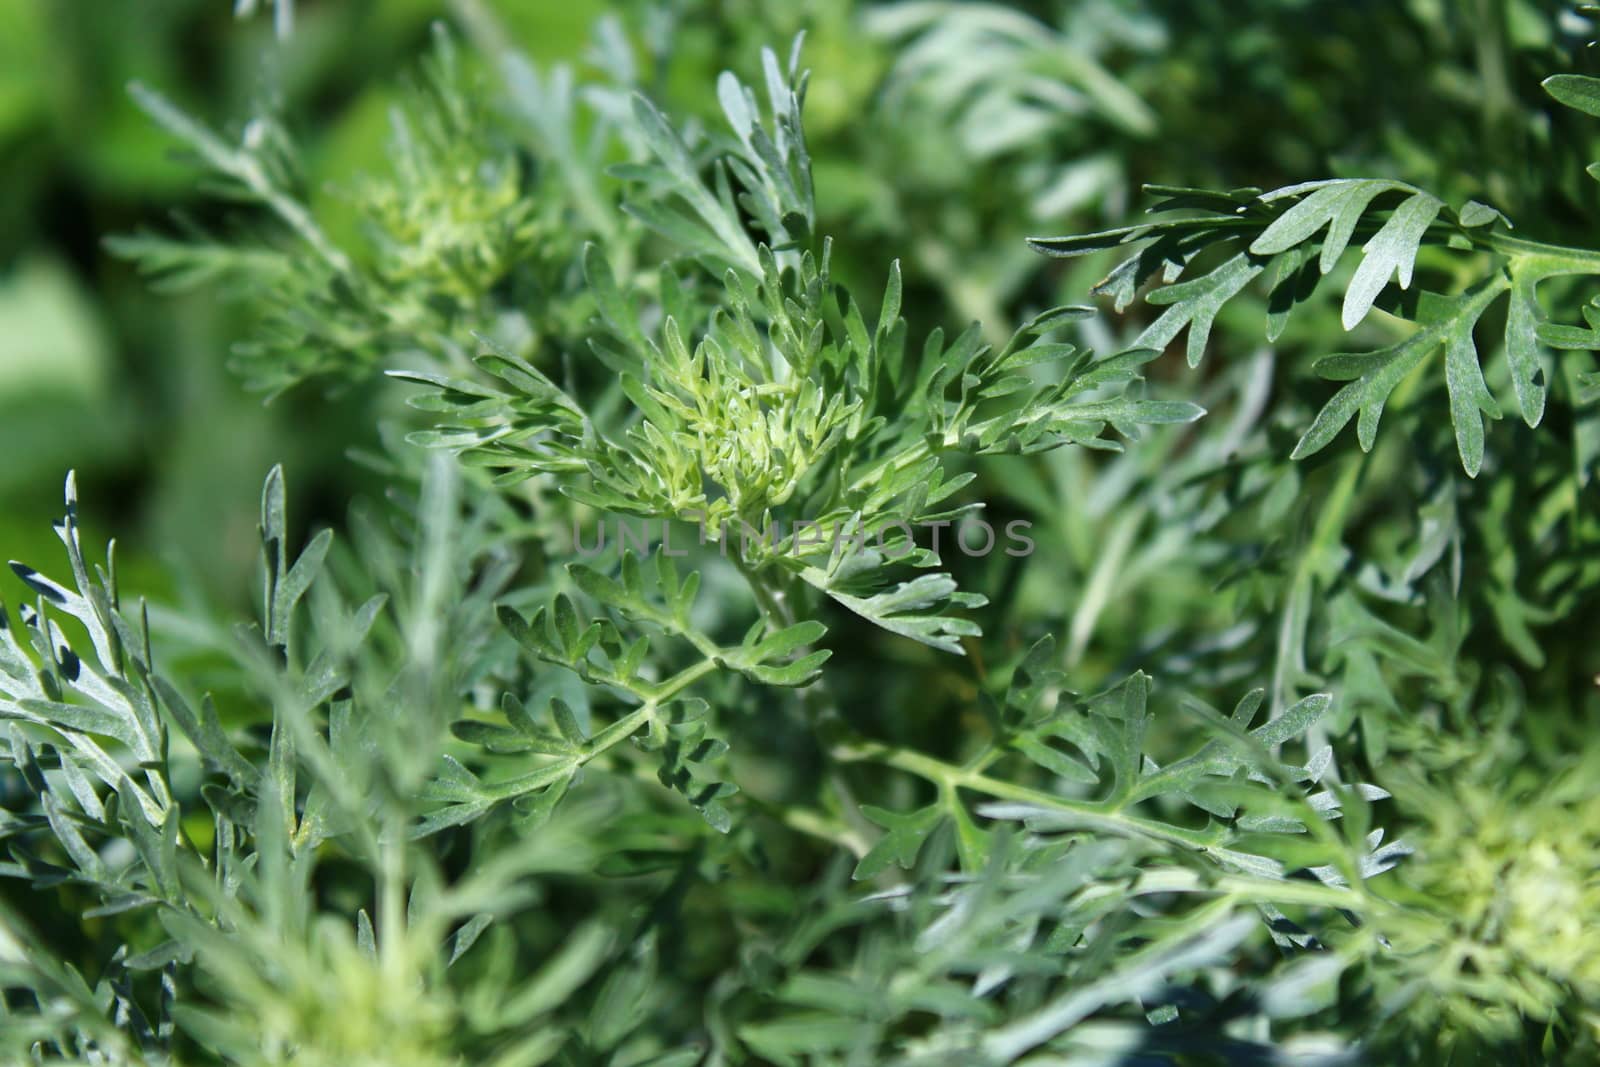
468 791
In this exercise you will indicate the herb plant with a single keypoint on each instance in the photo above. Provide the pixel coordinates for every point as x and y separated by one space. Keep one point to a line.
641 716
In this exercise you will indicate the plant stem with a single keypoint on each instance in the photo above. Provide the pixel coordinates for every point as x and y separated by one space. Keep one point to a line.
773 604
1092 815
821 709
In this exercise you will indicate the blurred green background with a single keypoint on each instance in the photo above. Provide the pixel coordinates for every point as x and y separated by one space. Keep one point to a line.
948 164
128 387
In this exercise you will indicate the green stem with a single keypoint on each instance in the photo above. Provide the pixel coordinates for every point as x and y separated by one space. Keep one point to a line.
819 825
611 736
603 741
1569 260
1090 813
774 605
1289 654
1108 818
665 691
821 709
1102 581
391 899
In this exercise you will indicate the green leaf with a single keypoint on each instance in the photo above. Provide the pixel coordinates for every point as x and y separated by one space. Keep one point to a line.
615 308
567 723
1469 398
902 841
1522 343
1194 305
1055 318
1338 205
1392 249
1474 214
1571 338
909 608
1376 374
1576 91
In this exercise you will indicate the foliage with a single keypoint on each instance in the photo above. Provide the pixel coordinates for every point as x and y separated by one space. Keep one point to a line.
1282 228
774 776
